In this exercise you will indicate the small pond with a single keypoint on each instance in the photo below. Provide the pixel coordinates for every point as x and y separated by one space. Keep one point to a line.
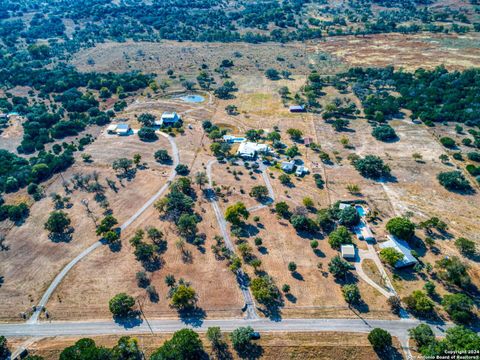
193 98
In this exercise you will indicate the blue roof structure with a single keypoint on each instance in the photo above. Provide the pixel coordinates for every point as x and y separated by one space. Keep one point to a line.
402 247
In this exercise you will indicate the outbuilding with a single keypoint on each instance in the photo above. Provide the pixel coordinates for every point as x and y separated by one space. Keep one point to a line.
112 129
348 251
122 129
296 108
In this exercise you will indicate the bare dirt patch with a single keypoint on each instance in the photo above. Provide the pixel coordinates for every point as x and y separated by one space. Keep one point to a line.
405 51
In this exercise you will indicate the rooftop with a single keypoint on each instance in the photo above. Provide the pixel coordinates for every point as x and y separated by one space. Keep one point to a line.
251 148
402 247
348 251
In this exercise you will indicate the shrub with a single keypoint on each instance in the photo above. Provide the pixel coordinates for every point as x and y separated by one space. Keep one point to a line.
384 133
401 227
380 339
418 303
371 166
351 294
452 270
121 305
454 181
147 134
447 142
459 307
184 344
422 335
339 237
390 256
465 246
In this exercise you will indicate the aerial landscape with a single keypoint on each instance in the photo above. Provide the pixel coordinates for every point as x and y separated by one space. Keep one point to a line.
239 179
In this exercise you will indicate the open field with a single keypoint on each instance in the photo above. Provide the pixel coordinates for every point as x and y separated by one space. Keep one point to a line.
328 56
409 52
33 259
326 345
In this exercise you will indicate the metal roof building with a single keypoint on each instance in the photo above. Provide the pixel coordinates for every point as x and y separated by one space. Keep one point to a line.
402 247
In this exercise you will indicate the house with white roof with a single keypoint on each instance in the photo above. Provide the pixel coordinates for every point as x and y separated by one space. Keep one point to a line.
403 248
301 170
249 150
288 166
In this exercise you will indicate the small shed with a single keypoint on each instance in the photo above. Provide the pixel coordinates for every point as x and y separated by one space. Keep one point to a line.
348 251
296 108
112 129
307 141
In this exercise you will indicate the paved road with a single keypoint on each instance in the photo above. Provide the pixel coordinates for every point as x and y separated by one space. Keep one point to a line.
397 328
58 279
247 295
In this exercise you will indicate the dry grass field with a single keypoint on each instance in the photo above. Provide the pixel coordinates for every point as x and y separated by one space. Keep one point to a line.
33 259
326 345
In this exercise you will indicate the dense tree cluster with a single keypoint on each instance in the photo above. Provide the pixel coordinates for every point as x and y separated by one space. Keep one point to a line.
431 95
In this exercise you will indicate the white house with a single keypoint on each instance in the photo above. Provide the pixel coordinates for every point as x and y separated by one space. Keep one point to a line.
249 149
288 166
348 251
168 119
301 170
403 248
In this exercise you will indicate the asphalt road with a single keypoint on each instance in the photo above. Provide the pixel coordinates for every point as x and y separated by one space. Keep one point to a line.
397 328
58 279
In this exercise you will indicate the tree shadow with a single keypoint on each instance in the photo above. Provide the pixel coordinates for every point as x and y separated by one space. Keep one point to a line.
133 319
2 280
154 264
115 246
64 237
222 352
319 253
193 316
263 250
291 298
296 275
390 353
249 230
251 351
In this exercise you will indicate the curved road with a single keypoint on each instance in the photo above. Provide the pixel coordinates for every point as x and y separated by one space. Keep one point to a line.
58 279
